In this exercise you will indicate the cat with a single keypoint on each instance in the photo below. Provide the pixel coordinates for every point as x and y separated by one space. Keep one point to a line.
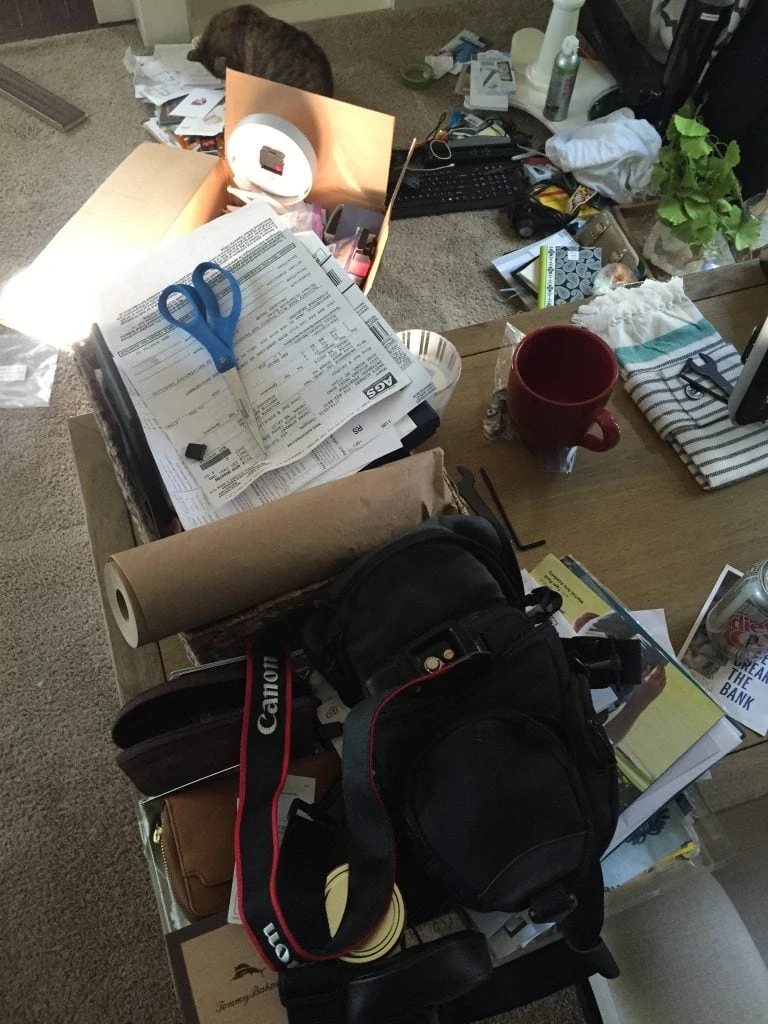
246 39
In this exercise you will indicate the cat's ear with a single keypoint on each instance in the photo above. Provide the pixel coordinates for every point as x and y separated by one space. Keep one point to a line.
220 65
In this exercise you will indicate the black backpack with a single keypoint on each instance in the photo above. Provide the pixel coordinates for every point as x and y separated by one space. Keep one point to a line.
472 756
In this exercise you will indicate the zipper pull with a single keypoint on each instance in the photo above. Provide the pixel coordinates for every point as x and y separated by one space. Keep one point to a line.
157 834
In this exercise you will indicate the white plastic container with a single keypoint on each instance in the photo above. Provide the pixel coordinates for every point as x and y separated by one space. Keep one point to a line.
440 358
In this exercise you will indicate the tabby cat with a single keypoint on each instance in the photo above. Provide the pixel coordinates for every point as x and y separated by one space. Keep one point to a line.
246 39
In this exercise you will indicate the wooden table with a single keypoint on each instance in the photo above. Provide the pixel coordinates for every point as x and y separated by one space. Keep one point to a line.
634 516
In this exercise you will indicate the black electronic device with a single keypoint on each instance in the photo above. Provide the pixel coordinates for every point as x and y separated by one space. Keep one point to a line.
486 185
748 401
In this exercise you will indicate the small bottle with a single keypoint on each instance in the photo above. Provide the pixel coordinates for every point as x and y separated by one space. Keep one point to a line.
563 79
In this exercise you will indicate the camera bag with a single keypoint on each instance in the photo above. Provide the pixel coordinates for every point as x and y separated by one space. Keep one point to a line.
471 750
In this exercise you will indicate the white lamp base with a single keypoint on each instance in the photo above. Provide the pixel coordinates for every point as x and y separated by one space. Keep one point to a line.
593 81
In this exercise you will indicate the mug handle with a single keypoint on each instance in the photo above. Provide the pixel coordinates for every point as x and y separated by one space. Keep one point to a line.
609 429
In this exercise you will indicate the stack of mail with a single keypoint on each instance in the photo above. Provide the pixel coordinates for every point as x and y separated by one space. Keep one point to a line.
331 383
188 99
491 81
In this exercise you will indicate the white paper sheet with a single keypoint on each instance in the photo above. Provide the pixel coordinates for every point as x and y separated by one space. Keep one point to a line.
152 81
173 56
654 622
212 124
307 361
720 740
185 492
421 386
198 103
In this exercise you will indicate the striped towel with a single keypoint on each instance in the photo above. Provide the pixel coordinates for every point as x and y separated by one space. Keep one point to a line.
653 330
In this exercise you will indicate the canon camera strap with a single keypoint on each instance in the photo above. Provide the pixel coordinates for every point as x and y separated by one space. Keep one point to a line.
281 886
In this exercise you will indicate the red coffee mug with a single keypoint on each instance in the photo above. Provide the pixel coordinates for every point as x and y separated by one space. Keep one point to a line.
561 379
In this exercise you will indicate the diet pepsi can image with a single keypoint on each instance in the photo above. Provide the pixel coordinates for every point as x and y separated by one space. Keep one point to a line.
738 623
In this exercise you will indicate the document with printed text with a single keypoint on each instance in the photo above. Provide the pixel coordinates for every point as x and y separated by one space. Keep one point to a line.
325 377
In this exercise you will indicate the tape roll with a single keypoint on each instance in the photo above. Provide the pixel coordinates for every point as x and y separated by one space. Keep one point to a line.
387 932
417 74
214 571
270 154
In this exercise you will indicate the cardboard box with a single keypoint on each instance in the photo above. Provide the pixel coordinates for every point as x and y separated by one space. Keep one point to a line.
159 193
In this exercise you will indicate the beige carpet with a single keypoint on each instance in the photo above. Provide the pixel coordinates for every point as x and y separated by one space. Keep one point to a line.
79 934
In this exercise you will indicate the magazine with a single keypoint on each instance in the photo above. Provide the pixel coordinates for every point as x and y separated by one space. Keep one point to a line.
650 725
738 684
719 740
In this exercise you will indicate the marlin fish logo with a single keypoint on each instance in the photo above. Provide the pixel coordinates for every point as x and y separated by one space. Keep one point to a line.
242 969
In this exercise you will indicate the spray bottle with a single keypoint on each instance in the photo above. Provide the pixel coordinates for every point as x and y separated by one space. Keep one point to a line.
563 79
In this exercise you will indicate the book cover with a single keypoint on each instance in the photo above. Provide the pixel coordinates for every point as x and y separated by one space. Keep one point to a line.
567 272
651 725
738 684
219 975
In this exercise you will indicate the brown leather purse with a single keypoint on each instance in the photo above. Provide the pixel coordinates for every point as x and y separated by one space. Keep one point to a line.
196 840
196 830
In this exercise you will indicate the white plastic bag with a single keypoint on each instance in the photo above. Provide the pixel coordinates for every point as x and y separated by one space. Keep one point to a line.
614 154
27 369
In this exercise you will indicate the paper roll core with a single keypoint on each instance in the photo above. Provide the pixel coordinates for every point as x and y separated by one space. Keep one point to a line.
124 605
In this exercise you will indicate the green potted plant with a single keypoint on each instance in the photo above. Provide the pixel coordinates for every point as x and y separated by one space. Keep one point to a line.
700 207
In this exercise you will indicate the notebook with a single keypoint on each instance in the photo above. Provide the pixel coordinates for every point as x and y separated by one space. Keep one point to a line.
566 273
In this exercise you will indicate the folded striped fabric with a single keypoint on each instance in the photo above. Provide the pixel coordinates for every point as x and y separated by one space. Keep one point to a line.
654 329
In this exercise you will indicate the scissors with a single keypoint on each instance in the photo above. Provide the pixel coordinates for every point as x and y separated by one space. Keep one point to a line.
214 330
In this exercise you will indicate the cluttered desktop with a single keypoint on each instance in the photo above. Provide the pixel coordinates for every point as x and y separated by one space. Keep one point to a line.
361 534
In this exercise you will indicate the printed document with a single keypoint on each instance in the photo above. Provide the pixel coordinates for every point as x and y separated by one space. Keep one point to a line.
323 380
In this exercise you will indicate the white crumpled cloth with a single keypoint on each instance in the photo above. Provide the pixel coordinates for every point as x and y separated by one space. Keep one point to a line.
614 154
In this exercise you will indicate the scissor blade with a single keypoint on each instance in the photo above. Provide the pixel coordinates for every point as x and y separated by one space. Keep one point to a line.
235 385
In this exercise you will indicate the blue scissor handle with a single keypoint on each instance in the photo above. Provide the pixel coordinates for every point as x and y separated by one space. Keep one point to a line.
207 325
223 325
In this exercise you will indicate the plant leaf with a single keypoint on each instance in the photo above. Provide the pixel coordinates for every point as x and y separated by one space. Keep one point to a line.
689 126
747 233
732 156
696 210
672 212
695 147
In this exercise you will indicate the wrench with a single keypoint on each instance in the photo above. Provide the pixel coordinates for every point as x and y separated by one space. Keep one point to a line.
468 491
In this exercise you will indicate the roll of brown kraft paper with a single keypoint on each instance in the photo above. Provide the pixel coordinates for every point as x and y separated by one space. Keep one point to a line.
217 570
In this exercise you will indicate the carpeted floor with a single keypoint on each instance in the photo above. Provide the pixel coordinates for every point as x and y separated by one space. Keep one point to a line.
79 934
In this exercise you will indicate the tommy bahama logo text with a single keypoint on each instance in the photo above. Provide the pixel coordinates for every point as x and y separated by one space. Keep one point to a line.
222 1005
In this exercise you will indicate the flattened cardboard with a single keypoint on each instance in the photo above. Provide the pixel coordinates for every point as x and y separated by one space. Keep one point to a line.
353 144
154 194
220 977
158 193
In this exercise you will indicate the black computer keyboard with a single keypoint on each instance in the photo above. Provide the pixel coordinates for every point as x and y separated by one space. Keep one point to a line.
467 186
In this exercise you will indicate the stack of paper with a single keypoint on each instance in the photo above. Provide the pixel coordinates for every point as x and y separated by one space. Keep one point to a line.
168 79
328 378
666 731
491 81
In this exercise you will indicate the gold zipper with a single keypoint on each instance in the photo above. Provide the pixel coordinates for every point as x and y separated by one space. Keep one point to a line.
157 839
